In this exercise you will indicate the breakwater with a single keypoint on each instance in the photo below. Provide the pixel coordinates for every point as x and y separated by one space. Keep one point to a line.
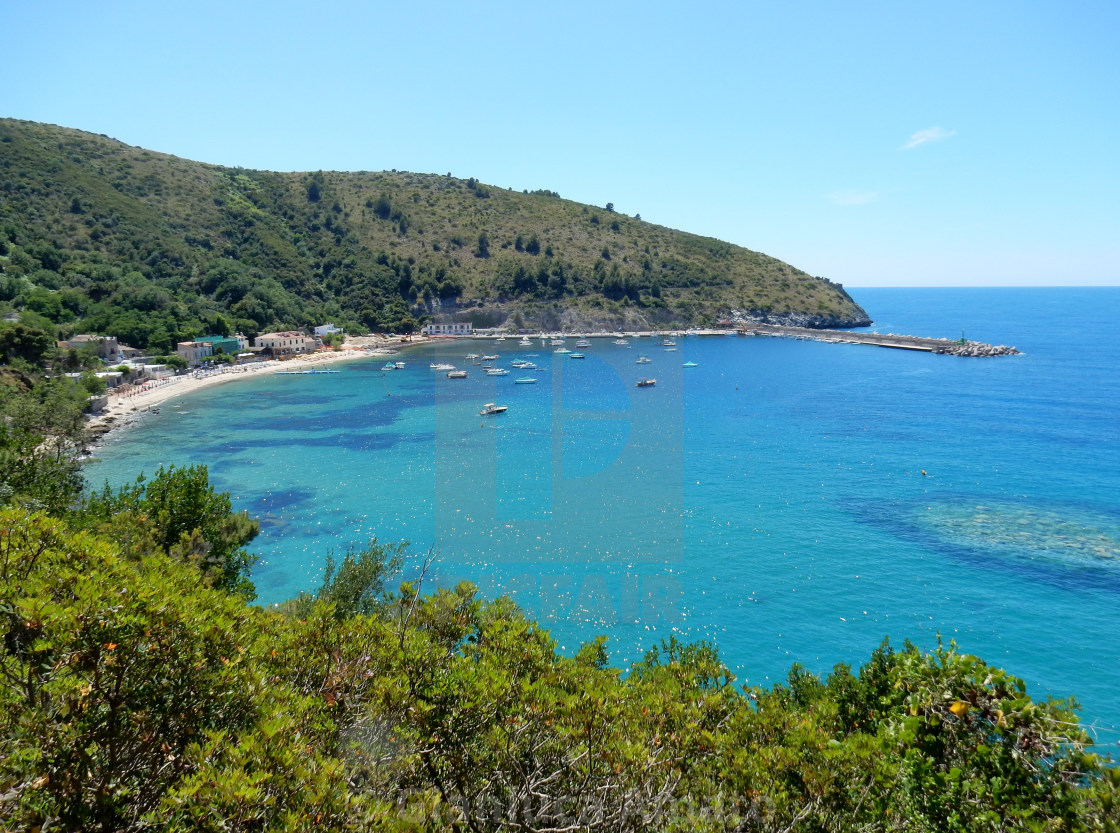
961 347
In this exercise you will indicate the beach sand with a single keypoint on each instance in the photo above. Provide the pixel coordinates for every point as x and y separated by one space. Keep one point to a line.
125 405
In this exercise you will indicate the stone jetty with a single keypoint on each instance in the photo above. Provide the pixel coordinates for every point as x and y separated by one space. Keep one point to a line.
900 342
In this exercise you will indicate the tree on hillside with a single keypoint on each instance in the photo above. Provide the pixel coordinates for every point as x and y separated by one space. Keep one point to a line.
179 512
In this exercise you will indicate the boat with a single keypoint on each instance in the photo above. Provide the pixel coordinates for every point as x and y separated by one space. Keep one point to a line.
398 365
523 364
670 349
493 358
525 380
646 383
583 342
576 356
525 343
669 343
389 366
472 356
690 364
621 342
489 409
561 350
442 366
642 360
497 371
557 342
457 374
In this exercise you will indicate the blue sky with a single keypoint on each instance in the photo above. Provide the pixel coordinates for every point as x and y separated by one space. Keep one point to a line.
873 143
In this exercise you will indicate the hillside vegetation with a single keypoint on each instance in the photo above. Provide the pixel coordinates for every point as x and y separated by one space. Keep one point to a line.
96 235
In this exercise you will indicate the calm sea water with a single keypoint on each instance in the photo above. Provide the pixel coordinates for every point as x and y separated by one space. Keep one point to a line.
790 501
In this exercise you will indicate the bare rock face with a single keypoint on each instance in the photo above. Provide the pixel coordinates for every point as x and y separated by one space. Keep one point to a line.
800 319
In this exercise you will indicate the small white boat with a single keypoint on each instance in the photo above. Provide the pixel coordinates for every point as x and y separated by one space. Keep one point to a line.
497 371
576 356
525 343
690 364
557 342
642 360
442 366
525 380
621 342
669 343
457 374
561 350
472 356
583 342
646 383
489 409
493 358
389 366
398 365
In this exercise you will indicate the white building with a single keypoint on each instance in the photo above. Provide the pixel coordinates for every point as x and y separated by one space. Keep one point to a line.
287 343
448 329
326 330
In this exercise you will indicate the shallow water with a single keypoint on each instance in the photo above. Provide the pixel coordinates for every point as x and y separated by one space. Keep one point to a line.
788 500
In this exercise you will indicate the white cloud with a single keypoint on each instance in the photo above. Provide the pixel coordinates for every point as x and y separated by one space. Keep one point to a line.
853 197
930 134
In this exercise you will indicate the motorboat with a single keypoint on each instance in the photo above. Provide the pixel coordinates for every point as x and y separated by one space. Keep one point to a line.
525 380
489 409
442 366
646 383
690 364
497 371
457 374
493 358
642 360
576 356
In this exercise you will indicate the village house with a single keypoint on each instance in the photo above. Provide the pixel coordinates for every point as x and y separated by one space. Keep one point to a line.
448 329
194 352
288 343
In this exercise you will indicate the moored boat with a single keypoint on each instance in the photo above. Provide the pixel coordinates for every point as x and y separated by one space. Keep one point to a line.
646 383
489 409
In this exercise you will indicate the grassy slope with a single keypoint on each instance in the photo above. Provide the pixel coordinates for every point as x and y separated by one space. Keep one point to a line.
111 222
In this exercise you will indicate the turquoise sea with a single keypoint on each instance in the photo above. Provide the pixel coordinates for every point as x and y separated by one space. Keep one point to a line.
787 500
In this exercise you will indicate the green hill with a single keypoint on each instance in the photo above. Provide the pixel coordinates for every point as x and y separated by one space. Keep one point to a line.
96 235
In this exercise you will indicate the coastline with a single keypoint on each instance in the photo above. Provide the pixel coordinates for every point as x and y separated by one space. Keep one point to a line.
123 408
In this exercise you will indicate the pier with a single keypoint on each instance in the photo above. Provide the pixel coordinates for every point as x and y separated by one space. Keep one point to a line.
943 346
961 347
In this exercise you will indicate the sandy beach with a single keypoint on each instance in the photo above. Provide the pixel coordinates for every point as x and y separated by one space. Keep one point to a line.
126 403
